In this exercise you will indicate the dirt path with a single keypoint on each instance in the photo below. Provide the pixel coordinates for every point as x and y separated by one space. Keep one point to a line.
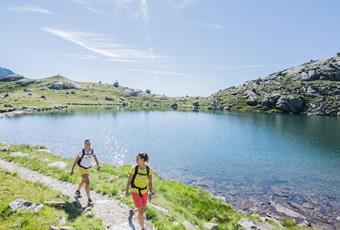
113 213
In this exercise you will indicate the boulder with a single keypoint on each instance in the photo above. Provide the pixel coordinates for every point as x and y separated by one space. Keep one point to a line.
28 90
116 84
43 97
252 101
148 91
189 226
134 92
248 224
108 98
174 106
196 103
290 104
58 85
210 226
25 82
55 204
288 212
60 227
21 204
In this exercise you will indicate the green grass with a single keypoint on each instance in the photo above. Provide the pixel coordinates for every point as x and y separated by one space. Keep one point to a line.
182 202
90 94
12 187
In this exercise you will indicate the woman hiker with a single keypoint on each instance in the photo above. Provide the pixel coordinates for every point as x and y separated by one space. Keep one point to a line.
84 160
140 181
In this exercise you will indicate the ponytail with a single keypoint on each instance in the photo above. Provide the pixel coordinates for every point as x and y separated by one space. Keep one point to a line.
143 156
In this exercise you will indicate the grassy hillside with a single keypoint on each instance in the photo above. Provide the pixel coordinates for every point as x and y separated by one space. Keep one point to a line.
38 94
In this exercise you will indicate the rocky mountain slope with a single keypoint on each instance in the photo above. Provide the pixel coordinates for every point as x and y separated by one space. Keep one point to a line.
310 88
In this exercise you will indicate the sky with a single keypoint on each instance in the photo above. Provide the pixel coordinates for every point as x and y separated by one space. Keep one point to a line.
172 47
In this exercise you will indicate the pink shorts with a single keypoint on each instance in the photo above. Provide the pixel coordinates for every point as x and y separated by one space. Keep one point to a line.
140 201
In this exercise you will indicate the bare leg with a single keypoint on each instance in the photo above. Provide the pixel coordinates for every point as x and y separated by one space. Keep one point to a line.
81 184
141 217
87 185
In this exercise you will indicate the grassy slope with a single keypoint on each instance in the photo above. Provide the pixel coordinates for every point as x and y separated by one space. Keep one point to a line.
183 202
12 187
90 93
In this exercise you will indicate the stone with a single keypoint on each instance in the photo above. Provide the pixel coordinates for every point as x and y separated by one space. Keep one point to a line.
62 220
108 98
55 204
21 204
58 85
18 154
210 226
60 228
25 82
252 101
116 84
189 226
58 106
27 90
196 103
43 97
248 224
290 104
174 106
286 211
148 91
159 209
57 164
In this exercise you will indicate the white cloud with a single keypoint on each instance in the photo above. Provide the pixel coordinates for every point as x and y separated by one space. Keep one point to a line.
186 3
144 10
213 26
163 73
101 45
247 66
28 8
81 56
88 6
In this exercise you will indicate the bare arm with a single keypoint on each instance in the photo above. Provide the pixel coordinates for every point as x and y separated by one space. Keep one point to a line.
150 183
96 160
74 164
128 185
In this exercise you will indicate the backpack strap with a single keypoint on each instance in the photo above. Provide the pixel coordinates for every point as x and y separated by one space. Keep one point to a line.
134 177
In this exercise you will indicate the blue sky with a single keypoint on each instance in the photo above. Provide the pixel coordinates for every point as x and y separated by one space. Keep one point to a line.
173 47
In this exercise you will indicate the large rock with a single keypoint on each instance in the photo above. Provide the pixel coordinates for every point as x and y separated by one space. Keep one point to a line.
248 224
134 92
21 204
252 101
25 82
58 85
290 104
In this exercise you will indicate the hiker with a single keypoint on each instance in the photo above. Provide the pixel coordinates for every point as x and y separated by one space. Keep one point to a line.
84 161
140 181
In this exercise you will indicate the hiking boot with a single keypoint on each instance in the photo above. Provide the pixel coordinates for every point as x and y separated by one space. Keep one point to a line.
77 193
89 202
130 215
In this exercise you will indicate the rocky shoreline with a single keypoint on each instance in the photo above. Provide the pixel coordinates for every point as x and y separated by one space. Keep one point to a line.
13 112
278 203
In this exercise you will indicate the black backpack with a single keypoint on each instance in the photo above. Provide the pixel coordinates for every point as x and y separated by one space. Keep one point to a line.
133 185
81 158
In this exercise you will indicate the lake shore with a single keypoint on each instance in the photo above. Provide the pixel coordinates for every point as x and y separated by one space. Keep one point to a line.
111 182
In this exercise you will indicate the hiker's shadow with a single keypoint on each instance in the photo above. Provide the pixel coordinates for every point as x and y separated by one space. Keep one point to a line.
132 226
73 209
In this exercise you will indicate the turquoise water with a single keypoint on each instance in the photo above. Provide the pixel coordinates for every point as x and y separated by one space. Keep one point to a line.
235 155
